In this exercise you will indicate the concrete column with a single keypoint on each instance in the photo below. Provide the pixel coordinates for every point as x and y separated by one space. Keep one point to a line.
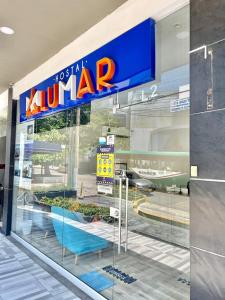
207 132
9 163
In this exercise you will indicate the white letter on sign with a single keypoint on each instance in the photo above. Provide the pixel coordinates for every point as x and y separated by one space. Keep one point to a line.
69 86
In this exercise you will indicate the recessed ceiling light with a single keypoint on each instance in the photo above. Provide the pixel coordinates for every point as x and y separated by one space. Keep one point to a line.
6 30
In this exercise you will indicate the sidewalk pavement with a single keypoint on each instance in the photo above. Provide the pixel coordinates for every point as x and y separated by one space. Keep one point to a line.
23 276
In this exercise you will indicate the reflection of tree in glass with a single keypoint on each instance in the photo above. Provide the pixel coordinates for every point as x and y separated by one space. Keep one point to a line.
54 129
60 129
101 122
47 159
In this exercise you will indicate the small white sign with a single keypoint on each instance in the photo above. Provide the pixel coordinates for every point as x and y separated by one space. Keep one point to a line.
180 104
114 212
110 139
194 171
106 189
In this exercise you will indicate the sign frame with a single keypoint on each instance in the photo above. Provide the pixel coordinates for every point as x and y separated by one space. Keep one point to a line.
132 53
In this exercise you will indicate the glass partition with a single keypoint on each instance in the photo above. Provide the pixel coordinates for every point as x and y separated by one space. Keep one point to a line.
103 189
3 129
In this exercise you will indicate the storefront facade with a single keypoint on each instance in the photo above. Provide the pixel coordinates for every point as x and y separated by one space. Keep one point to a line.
101 186
100 189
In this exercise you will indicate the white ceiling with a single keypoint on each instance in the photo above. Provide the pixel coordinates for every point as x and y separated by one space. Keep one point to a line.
42 28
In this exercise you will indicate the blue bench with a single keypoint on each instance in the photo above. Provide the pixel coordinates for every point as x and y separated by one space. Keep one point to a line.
74 239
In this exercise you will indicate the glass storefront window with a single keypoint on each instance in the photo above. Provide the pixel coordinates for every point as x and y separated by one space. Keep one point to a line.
3 127
126 236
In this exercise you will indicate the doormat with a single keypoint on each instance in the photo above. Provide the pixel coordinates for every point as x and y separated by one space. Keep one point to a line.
119 274
96 281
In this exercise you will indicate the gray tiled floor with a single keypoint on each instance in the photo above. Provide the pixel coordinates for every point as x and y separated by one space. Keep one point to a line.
22 278
157 265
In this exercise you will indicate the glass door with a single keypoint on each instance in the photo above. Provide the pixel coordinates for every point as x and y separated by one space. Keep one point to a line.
130 169
151 190
89 230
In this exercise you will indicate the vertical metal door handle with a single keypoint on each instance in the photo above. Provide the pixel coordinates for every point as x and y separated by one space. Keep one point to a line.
120 216
126 215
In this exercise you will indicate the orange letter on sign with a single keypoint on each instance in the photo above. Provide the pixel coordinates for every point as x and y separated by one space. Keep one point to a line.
86 84
32 108
28 111
102 79
53 96
43 106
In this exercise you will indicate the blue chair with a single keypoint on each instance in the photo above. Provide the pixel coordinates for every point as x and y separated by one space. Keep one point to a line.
74 239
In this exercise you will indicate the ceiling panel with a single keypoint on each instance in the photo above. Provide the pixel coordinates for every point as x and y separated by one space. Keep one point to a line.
42 28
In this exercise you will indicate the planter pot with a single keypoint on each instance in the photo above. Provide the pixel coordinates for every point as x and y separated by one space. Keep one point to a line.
53 194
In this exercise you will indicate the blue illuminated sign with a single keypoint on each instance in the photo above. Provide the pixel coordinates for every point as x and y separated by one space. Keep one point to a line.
125 62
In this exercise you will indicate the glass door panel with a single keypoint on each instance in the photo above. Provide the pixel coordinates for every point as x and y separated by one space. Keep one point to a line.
48 183
151 185
88 232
